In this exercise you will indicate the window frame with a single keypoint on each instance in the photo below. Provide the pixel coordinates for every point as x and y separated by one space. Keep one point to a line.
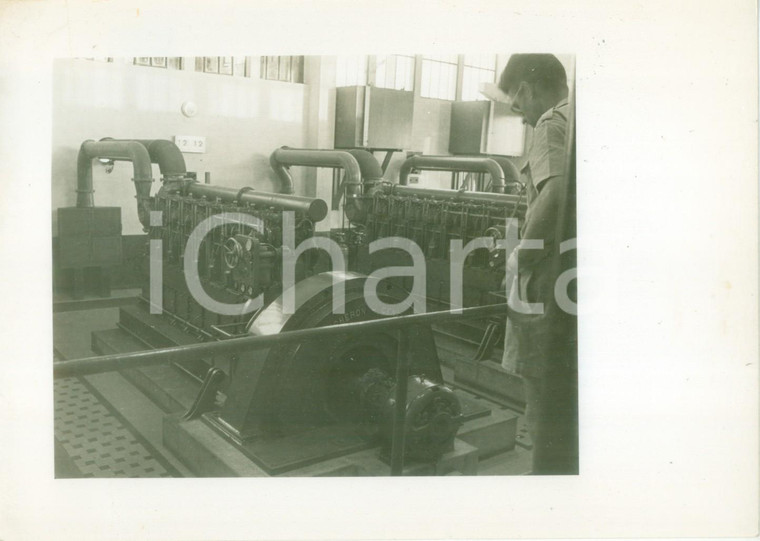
372 72
457 71
464 68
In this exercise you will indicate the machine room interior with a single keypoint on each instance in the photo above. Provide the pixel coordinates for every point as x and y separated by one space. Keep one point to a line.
352 150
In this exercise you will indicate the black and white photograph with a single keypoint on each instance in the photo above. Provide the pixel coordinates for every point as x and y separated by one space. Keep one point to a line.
445 193
385 271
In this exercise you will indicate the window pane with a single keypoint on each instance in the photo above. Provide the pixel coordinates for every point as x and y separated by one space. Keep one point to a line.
273 67
425 88
284 74
296 68
448 58
471 80
351 71
452 80
238 66
211 64
225 65
484 61
381 65
435 80
439 78
404 73
394 71
279 68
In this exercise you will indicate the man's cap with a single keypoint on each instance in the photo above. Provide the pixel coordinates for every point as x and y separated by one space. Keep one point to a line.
545 69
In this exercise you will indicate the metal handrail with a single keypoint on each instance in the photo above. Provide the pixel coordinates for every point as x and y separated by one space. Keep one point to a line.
106 363
137 359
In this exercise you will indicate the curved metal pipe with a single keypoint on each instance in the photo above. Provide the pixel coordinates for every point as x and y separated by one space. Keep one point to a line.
474 164
315 209
358 165
165 153
282 158
131 151
286 181
371 174
511 173
368 165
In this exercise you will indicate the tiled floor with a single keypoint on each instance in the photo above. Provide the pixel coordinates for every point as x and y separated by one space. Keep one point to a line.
96 440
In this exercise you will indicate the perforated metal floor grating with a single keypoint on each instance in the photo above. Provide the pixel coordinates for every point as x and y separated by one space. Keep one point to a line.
96 438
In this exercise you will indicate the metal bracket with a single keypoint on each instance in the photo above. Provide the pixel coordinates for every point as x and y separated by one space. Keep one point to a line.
204 401
490 337
243 190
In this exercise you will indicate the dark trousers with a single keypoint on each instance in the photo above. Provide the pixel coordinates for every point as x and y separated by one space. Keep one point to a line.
552 416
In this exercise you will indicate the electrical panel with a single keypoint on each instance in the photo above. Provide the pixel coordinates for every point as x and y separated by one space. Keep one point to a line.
369 117
485 127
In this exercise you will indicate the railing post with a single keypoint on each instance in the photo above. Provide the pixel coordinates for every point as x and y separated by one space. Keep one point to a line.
399 410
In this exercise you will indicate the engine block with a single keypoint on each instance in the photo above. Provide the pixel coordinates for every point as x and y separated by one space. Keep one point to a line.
433 218
432 221
240 254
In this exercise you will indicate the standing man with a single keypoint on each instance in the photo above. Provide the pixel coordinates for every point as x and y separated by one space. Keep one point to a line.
543 348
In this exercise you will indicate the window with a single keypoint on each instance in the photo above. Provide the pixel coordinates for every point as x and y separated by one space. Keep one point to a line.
171 62
477 69
240 66
351 71
439 77
222 65
394 71
282 68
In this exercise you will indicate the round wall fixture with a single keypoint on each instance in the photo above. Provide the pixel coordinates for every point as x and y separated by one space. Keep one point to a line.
189 109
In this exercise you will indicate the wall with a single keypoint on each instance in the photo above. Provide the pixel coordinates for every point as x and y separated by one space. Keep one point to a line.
243 121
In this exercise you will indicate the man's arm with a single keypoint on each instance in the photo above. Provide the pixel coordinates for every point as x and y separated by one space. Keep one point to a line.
547 168
541 225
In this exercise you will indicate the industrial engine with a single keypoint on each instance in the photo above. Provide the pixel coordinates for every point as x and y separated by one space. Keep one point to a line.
432 218
317 398
239 257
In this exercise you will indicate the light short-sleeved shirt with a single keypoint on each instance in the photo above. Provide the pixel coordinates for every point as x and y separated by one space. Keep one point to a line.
542 174
546 155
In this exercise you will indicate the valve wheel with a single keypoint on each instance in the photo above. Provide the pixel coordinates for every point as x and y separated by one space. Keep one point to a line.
233 252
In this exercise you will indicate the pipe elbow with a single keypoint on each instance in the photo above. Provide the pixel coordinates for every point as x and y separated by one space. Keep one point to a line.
352 204
477 164
406 168
161 151
168 157
351 167
283 157
132 151
497 175
281 170
368 166
140 159
84 189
